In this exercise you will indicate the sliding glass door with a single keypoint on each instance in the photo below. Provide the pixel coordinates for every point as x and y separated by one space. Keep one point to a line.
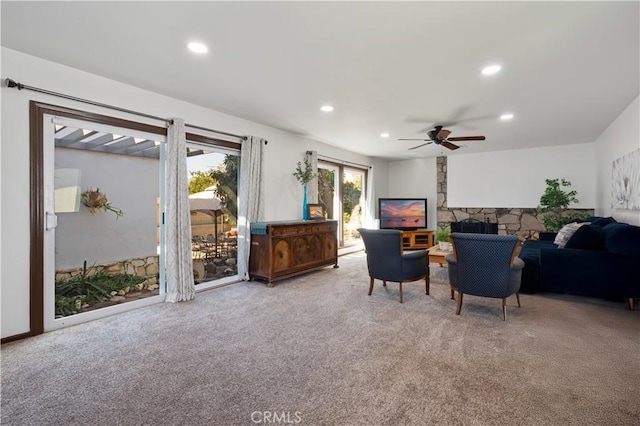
213 205
103 233
341 191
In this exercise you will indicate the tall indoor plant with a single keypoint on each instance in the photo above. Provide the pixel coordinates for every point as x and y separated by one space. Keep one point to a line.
555 202
304 176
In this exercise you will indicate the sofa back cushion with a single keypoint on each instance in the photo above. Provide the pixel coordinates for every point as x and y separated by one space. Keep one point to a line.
601 221
622 238
587 237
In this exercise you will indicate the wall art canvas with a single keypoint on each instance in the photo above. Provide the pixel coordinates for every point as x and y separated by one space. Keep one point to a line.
625 183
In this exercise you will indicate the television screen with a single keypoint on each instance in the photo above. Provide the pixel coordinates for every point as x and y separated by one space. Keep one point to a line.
402 213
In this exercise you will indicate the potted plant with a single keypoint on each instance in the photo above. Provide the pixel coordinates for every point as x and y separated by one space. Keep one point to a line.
96 200
442 237
555 202
304 176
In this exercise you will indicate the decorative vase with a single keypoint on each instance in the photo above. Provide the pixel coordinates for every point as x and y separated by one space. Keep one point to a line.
305 213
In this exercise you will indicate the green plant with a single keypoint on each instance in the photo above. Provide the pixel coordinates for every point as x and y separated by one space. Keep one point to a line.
89 287
306 175
555 201
96 200
442 235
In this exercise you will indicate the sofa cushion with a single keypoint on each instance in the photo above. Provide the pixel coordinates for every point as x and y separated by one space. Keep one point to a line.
601 221
622 238
567 232
587 237
530 255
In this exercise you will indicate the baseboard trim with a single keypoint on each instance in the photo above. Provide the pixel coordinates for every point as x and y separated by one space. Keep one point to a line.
15 337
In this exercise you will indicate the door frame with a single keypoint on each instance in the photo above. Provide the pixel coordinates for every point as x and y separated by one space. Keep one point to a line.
37 111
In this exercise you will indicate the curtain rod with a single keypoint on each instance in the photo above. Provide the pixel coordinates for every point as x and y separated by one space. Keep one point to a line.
13 84
326 157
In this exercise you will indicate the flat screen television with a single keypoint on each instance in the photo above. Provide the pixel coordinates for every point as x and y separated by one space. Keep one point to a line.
402 213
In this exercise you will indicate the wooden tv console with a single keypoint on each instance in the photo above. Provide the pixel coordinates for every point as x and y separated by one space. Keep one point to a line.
418 239
284 249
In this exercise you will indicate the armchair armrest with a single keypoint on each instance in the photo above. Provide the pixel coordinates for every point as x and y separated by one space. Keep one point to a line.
417 254
415 265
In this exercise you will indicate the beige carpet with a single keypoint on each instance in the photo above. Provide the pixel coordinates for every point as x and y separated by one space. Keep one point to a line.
317 350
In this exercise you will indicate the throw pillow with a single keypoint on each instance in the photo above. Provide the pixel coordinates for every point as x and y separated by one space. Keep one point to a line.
567 232
588 237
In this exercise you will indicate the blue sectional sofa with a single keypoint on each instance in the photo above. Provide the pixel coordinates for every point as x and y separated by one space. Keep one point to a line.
602 259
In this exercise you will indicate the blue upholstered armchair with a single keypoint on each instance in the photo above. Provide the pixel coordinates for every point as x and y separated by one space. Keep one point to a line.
485 265
387 262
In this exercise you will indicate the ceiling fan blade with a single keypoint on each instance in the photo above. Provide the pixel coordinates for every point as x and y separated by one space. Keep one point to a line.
467 138
443 133
416 147
422 139
449 145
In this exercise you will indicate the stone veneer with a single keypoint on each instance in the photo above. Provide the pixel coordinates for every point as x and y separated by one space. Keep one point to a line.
141 267
524 222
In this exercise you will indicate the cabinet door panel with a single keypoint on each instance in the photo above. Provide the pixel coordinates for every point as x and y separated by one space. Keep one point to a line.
329 247
281 255
300 251
315 248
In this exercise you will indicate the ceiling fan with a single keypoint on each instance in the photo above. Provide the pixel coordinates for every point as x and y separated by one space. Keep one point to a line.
439 136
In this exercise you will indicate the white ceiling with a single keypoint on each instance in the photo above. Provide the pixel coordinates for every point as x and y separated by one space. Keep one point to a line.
568 68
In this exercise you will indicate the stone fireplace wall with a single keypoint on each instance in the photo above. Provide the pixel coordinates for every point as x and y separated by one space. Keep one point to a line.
524 222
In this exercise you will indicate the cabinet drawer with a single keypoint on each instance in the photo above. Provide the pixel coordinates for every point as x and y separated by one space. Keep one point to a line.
285 231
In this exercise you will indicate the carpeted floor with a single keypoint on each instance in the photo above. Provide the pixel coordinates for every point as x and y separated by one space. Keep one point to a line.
317 350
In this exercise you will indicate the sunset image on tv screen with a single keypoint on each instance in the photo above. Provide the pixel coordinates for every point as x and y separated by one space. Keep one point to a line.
402 213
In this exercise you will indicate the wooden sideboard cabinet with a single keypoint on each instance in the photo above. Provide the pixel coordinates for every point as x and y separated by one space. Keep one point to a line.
419 239
285 249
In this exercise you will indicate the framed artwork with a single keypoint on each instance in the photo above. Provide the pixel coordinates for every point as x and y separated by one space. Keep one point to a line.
625 182
315 211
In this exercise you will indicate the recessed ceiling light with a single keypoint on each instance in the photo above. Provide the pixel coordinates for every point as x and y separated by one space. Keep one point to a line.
384 135
326 108
197 47
491 69
508 116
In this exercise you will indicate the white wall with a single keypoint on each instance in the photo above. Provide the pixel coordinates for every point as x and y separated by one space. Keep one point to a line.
619 139
283 194
131 184
415 178
516 178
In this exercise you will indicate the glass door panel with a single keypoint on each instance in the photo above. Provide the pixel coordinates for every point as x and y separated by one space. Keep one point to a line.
341 193
213 201
103 220
352 205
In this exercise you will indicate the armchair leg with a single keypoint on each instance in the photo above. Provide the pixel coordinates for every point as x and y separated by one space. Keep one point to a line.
453 294
459 302
370 286
631 307
504 309
400 291
384 283
426 280
518 298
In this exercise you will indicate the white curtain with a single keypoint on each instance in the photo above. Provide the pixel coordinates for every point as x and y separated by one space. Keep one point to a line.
179 265
369 218
251 198
312 186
